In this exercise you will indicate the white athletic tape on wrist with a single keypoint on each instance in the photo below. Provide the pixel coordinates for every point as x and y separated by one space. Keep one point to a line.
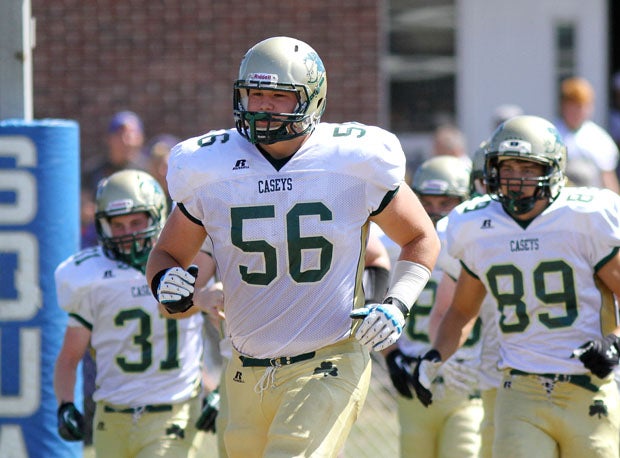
408 280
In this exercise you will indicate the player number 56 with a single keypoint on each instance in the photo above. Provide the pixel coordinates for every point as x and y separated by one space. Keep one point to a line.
296 244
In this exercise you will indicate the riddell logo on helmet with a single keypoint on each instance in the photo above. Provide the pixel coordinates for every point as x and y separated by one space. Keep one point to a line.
119 206
263 78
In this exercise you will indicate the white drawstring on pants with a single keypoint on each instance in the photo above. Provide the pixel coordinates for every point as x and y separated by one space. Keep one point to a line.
268 380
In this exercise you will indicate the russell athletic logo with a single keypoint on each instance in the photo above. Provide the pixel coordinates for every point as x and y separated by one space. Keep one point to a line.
240 164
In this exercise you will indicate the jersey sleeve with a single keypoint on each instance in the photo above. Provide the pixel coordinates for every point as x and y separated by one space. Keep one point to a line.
453 247
445 262
462 231
189 167
73 288
382 163
180 174
606 155
605 222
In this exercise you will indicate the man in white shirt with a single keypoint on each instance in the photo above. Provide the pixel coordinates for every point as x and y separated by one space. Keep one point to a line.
592 153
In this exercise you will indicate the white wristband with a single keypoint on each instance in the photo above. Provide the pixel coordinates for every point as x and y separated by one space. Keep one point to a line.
408 280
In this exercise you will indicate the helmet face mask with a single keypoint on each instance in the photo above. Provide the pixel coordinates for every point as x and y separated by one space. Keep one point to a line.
525 138
124 193
442 176
518 199
133 248
280 64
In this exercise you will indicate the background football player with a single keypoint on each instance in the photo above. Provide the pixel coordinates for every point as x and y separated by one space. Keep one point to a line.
489 377
549 255
450 427
148 367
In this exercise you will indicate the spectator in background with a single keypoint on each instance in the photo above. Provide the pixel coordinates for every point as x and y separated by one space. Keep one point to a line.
88 234
614 114
592 153
503 113
449 140
125 140
157 154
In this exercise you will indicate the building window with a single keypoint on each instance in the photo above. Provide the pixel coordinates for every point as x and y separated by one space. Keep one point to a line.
421 64
565 39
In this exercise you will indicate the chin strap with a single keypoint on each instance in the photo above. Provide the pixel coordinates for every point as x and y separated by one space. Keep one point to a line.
515 206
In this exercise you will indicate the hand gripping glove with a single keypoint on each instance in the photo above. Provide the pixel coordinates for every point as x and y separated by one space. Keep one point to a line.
459 375
174 288
424 374
382 325
70 422
401 370
599 356
210 409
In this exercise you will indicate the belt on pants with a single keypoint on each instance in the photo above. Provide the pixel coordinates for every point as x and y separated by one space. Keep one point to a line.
581 380
140 409
275 362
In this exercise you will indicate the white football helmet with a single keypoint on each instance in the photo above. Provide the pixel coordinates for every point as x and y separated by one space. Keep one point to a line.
477 168
442 176
528 138
124 193
283 64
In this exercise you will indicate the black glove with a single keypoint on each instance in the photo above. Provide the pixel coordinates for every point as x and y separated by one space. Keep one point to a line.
210 409
70 422
174 288
400 367
600 356
424 374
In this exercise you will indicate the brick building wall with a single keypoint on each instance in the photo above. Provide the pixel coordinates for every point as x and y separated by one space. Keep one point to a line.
173 62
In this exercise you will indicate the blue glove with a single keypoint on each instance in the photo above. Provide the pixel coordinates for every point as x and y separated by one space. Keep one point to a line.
382 325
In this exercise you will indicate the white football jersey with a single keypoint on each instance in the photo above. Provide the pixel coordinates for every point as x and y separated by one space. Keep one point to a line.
489 375
288 241
542 274
141 357
415 340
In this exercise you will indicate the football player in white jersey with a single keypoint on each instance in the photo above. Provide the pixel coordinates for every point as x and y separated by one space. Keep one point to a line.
489 376
450 427
148 367
287 201
210 300
549 256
